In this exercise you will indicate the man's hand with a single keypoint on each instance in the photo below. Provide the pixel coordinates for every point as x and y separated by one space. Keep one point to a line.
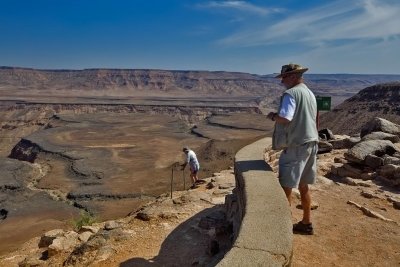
272 116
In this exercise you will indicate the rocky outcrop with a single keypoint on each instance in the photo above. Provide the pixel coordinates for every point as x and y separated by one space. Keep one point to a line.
92 244
380 125
381 100
25 150
360 151
381 136
374 157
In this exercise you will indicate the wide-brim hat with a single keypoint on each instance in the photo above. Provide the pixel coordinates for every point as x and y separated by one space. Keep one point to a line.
291 68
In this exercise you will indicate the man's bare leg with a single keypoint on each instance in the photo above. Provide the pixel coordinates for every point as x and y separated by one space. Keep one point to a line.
305 203
288 193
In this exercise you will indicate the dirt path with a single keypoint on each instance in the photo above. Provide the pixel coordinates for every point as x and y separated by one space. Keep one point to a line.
344 235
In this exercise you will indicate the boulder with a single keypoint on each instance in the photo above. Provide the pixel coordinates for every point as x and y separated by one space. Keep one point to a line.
326 134
324 147
390 171
368 175
339 160
47 238
354 182
335 168
369 194
32 260
390 160
104 253
84 254
211 185
344 143
84 236
373 161
111 225
144 216
381 136
228 185
63 243
358 153
89 228
380 125
345 170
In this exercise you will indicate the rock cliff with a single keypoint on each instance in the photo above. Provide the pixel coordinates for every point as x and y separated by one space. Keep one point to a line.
381 100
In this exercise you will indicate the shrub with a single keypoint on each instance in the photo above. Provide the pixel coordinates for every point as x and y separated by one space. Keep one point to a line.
85 218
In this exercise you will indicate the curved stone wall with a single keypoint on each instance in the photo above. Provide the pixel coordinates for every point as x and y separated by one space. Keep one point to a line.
261 217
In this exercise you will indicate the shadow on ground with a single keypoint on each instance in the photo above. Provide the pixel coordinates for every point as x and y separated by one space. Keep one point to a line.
189 245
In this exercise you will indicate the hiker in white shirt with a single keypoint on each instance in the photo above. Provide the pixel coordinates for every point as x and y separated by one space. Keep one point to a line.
194 165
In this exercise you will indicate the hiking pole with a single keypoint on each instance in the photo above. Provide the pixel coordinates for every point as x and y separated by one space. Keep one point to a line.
172 178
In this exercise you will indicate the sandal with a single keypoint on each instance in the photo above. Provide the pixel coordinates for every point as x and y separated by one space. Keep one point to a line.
303 229
194 186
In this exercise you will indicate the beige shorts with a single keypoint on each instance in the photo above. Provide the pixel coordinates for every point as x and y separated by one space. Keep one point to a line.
298 165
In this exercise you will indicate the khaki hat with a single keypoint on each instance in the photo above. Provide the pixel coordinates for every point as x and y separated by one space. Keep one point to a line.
291 68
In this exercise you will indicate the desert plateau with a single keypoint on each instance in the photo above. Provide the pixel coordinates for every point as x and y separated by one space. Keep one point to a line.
107 141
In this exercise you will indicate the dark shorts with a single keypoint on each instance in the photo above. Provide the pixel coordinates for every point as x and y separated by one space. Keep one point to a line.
194 168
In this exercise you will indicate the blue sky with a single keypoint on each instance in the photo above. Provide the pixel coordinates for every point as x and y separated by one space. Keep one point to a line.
337 36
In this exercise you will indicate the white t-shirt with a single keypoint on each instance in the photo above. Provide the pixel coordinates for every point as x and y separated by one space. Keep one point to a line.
191 158
288 107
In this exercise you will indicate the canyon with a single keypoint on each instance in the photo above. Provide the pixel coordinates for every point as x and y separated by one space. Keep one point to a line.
107 140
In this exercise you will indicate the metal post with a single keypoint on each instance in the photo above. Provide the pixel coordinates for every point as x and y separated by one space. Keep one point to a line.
184 181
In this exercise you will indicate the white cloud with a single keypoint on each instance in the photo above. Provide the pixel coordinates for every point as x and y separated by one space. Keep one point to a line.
241 6
353 57
340 20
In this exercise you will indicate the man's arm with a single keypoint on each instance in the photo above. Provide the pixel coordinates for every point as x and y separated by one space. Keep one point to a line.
183 166
186 162
278 119
286 112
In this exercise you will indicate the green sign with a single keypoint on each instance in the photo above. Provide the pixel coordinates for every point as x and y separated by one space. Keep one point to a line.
323 102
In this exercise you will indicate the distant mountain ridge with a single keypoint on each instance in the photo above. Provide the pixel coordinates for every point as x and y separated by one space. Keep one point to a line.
148 81
174 83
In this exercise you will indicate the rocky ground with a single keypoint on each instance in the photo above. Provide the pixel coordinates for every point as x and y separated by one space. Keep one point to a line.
180 231
344 234
356 215
169 232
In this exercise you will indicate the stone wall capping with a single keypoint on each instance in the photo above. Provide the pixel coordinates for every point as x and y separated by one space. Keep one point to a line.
264 236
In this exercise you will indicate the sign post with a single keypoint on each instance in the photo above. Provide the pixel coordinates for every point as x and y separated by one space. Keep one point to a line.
323 104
